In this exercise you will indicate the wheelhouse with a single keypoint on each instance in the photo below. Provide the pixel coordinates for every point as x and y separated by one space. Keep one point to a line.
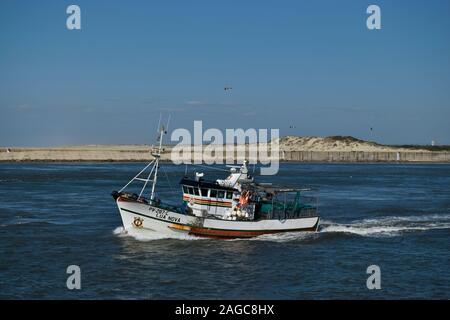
207 197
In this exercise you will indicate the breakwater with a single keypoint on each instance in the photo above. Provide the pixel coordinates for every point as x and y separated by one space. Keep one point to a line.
141 153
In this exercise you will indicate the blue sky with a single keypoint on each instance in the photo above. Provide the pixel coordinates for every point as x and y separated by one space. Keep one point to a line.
312 65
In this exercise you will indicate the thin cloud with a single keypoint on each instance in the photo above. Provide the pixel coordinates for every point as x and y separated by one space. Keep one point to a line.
24 106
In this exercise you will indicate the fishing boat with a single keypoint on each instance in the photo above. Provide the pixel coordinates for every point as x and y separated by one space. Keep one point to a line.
234 207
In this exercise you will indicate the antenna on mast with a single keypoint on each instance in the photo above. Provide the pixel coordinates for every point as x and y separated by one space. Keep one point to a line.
161 132
167 125
159 123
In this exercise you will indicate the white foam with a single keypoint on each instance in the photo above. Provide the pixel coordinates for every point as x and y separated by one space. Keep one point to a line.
148 235
393 219
283 236
118 231
389 226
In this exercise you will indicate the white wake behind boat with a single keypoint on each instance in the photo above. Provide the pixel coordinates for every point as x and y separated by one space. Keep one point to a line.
236 207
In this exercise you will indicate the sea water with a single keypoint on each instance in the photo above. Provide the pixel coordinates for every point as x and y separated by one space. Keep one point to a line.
395 216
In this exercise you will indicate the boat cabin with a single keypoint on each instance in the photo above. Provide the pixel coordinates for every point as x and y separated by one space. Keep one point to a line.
208 197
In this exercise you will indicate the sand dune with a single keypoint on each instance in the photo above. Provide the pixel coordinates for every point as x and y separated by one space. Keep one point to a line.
336 143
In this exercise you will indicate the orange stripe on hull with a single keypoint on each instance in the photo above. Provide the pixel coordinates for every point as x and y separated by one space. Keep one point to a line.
231 234
181 227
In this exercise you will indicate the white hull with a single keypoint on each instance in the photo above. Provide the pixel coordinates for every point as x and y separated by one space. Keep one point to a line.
147 218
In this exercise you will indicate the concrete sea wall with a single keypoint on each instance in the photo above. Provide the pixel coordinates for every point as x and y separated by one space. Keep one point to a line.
364 156
142 154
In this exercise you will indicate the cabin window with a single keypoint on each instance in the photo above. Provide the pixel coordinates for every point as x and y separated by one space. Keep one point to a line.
204 192
191 190
221 194
197 193
213 193
185 189
229 195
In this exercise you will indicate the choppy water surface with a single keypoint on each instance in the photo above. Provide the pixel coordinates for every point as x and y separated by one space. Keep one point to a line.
396 216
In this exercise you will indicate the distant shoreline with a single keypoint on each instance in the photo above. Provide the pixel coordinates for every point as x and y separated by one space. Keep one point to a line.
119 155
340 149
168 161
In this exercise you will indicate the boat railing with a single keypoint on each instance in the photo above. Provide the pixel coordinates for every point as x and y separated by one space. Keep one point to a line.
281 214
166 206
299 207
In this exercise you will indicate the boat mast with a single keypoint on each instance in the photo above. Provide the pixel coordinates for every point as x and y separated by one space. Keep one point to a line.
157 156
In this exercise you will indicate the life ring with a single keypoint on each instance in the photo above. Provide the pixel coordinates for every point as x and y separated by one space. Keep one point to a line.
138 222
191 201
